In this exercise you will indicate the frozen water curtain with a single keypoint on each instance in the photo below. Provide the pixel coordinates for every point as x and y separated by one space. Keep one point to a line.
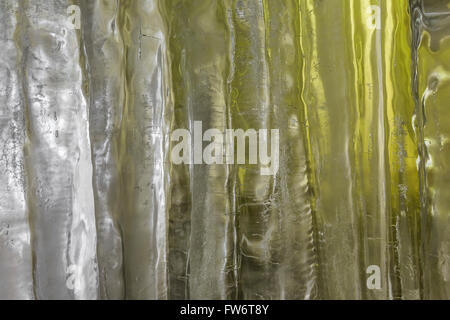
122 169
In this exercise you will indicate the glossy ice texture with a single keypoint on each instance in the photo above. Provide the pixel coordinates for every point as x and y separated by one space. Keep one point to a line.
91 206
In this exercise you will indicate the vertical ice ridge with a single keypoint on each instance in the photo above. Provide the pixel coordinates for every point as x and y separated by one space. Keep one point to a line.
375 210
431 78
180 198
232 176
58 160
250 108
211 261
199 57
296 275
104 49
404 267
16 280
144 156
331 120
305 120
418 123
